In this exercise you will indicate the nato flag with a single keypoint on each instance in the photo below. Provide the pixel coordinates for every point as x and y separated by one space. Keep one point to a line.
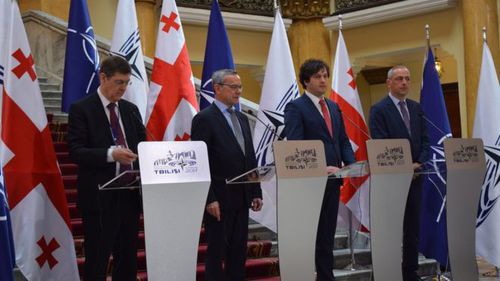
81 65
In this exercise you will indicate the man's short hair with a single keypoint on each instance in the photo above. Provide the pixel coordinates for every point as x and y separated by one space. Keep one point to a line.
114 64
311 67
391 71
219 75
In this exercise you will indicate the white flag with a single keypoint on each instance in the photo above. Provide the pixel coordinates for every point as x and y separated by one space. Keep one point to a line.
355 191
487 127
280 87
40 219
127 44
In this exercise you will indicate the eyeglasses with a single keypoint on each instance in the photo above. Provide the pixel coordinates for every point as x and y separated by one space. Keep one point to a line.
233 87
121 83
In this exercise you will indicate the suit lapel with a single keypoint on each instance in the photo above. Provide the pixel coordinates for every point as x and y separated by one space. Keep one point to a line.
395 115
314 111
101 118
223 122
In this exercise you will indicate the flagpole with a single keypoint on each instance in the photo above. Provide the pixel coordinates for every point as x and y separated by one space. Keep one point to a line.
354 266
428 35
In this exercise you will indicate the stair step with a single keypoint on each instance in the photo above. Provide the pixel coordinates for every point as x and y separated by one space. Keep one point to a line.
68 169
47 86
63 158
52 93
69 182
61 146
52 102
255 268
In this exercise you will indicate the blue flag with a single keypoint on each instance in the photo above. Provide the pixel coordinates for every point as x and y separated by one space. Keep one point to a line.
218 54
81 65
433 236
7 260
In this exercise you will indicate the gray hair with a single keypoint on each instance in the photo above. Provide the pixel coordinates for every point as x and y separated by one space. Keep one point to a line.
219 75
391 71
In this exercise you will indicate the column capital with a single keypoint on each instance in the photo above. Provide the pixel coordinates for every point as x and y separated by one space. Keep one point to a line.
305 9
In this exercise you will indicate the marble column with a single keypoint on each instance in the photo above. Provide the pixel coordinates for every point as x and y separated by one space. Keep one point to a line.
307 35
478 13
148 23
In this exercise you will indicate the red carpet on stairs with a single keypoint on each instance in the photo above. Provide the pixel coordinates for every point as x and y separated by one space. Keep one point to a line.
259 267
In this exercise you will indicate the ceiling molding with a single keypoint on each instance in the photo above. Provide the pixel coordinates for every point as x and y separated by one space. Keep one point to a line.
387 12
231 20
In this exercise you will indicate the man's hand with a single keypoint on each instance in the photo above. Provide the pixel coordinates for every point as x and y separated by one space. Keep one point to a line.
214 210
331 169
123 155
257 204
416 166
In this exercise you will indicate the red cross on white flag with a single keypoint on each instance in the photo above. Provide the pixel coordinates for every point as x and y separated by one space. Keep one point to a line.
171 99
355 191
40 219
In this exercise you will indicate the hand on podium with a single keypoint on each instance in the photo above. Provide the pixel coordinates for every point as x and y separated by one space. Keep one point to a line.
123 155
331 169
257 204
214 209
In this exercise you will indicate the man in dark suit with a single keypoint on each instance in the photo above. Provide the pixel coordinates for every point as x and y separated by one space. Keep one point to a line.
314 117
103 134
397 117
227 134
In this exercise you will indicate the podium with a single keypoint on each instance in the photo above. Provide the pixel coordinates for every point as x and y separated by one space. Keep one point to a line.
391 172
466 168
301 180
175 182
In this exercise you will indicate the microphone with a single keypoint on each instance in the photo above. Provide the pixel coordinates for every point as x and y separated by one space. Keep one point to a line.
432 123
355 125
268 127
139 119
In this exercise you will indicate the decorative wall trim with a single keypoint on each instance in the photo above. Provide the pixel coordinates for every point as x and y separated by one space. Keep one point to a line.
388 12
231 20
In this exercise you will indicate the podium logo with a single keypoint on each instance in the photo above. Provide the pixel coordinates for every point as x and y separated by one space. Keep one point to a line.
466 154
176 163
304 159
391 157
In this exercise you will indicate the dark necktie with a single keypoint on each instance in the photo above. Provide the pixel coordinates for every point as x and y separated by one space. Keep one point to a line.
326 116
406 116
237 129
117 131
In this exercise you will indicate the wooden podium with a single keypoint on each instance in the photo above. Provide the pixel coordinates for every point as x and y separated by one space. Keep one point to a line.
175 182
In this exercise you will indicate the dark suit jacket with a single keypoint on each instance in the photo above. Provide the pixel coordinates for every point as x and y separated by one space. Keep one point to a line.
386 123
226 157
304 122
89 137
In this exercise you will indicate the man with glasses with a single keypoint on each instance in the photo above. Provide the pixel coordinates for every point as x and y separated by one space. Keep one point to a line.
103 133
227 134
397 117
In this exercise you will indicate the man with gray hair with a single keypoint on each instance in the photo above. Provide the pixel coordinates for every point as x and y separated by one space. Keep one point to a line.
227 134
397 117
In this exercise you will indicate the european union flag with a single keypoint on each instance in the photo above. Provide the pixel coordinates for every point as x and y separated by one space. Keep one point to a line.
433 236
218 54
81 65
7 261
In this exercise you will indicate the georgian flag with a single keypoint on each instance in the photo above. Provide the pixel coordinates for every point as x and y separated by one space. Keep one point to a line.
279 88
355 191
126 43
171 99
487 127
40 219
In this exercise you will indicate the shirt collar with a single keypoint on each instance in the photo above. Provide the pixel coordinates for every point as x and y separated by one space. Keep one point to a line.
223 108
314 98
103 99
395 100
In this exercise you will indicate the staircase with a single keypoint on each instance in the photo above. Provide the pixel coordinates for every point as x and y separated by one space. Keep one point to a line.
262 263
